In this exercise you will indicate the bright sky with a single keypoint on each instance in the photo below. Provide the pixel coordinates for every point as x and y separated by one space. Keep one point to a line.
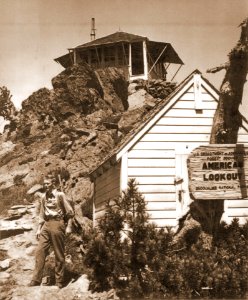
34 32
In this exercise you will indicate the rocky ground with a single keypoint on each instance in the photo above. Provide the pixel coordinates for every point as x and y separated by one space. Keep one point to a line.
17 250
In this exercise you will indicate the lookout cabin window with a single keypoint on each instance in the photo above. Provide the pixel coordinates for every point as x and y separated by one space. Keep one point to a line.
137 58
83 56
109 56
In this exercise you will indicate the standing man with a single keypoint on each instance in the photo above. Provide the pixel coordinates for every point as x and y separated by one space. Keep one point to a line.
54 213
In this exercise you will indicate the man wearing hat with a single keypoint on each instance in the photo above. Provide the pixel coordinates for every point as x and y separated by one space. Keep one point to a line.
54 212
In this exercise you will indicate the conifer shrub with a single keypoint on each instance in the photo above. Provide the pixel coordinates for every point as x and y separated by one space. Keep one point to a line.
129 254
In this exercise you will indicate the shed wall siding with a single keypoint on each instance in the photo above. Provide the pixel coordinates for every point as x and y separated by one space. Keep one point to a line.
107 186
152 160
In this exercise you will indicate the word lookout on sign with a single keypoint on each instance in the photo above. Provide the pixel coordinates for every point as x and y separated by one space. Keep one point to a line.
222 176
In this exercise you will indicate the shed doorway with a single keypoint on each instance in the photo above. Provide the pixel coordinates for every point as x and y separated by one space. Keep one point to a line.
183 199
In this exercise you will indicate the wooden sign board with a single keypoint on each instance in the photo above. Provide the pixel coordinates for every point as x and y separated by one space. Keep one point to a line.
218 172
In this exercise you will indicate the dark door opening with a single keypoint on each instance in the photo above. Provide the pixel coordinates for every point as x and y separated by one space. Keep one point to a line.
137 58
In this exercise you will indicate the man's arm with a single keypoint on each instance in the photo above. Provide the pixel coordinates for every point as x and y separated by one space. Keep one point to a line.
38 231
68 211
40 212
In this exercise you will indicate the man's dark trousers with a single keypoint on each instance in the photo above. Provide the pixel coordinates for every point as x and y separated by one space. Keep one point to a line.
52 233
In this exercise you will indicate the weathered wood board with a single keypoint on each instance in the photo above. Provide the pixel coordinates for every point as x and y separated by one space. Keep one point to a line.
218 172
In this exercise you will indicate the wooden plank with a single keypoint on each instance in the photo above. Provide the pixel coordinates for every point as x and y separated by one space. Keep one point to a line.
124 171
236 203
108 184
165 145
236 212
106 177
190 113
185 121
102 206
154 188
151 154
106 196
112 191
191 105
151 171
154 180
190 96
204 91
242 138
193 137
181 129
160 197
99 199
161 205
151 162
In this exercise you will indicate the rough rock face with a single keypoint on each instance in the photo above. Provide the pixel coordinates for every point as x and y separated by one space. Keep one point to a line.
115 86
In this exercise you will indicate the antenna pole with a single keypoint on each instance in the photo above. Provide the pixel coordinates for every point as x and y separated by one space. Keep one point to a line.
93 30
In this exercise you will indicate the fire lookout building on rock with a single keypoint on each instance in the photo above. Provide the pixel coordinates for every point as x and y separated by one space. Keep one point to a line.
136 55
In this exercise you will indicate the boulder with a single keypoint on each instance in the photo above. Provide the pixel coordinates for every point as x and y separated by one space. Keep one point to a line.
10 228
129 119
139 99
115 88
80 286
132 88
4 264
35 188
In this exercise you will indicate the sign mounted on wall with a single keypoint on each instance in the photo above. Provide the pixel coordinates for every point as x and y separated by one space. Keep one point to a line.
218 172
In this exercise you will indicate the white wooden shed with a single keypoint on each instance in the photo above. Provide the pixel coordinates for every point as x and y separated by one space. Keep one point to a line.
156 155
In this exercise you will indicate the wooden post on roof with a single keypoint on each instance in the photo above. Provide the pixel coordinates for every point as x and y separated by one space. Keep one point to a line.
89 56
145 60
130 60
124 52
102 57
74 56
98 58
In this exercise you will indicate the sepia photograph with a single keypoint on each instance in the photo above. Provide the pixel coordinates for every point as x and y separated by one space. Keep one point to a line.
123 149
